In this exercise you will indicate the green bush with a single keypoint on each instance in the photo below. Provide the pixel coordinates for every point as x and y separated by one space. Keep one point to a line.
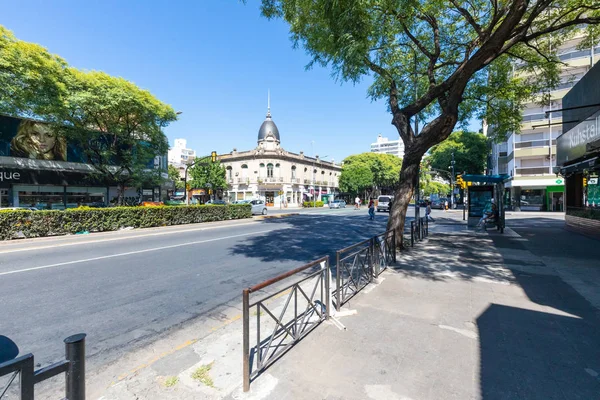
28 224
311 204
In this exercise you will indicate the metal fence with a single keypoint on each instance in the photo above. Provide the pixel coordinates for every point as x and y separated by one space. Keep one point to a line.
383 251
354 270
306 306
308 301
73 367
419 230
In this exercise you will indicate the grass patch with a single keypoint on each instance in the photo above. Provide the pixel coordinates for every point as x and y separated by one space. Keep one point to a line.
255 313
171 381
202 374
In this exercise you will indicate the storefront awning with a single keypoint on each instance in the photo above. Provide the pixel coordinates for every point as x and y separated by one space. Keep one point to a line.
486 178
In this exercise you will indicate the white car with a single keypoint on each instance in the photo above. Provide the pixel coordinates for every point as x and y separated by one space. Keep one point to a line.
384 202
258 207
337 204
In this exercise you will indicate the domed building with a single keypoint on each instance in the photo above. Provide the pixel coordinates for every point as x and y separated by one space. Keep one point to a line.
278 177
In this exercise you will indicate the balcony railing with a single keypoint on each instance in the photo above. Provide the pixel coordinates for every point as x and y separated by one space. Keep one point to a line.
534 143
533 170
244 181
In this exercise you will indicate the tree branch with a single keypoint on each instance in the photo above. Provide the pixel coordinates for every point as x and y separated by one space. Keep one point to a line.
465 13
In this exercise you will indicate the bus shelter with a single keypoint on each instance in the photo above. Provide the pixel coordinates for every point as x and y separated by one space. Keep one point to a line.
487 188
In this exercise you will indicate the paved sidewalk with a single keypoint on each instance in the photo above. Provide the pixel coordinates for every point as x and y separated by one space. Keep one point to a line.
464 316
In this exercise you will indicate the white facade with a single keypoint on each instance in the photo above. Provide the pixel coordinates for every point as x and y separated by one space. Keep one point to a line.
529 157
386 146
276 176
180 154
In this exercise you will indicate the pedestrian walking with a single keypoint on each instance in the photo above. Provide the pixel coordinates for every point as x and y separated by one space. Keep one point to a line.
356 203
428 212
446 205
371 209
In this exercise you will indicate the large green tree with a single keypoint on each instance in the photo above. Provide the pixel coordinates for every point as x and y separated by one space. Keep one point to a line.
208 175
32 80
470 153
366 173
441 61
118 125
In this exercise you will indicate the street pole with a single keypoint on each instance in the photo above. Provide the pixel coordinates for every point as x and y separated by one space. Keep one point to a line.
452 183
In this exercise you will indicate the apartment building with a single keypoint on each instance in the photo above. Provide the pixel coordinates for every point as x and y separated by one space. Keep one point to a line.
530 156
386 146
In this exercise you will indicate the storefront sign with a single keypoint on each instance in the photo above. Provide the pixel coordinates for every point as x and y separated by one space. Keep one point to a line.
572 144
9 176
147 192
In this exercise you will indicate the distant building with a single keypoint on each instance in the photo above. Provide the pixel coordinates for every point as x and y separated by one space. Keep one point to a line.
180 154
277 176
386 146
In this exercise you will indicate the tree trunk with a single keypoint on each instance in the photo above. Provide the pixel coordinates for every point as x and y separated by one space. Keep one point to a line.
121 200
402 196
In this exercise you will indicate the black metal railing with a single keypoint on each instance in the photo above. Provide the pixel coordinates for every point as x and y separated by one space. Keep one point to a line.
354 270
419 230
303 309
384 253
73 367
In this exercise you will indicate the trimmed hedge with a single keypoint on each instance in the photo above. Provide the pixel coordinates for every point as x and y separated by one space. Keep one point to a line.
311 204
28 224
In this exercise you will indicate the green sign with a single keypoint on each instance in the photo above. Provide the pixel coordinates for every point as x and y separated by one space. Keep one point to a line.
559 181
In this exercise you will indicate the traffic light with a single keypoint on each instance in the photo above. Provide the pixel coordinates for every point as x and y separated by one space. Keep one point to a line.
584 181
460 182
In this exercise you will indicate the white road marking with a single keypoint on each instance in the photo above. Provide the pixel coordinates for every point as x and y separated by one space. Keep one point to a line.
132 252
464 332
169 232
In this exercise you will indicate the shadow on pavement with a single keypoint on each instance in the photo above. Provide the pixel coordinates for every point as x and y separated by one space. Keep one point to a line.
528 354
309 237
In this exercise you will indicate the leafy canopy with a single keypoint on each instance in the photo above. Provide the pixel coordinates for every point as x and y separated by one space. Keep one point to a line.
470 153
367 171
174 175
208 175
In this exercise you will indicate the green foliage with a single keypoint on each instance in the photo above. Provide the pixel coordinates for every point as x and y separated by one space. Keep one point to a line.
175 177
119 125
202 374
308 204
430 187
24 223
208 175
470 153
32 80
366 171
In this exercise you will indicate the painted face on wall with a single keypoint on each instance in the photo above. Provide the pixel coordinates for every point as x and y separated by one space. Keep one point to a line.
43 138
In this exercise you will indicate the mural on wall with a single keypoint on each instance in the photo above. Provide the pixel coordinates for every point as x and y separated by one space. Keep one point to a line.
38 141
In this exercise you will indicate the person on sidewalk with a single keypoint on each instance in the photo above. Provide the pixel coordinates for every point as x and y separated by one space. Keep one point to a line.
446 205
490 215
371 209
356 203
428 212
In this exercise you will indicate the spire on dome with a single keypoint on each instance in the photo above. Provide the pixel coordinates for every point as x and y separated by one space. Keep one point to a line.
268 103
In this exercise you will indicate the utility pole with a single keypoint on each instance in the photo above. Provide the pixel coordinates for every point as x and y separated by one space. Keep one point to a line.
452 183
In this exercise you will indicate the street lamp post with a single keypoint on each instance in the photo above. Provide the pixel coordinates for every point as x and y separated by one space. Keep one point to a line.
418 179
200 161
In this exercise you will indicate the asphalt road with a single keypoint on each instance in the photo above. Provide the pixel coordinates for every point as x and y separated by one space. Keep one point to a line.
129 286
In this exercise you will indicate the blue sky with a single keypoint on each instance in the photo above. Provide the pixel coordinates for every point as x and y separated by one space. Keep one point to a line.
214 61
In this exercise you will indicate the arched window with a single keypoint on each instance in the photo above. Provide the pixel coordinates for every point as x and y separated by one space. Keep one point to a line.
244 171
293 172
269 170
261 170
229 173
277 170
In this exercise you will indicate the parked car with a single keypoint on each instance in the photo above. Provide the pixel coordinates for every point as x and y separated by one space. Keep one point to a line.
337 204
384 202
216 202
437 204
258 207
20 208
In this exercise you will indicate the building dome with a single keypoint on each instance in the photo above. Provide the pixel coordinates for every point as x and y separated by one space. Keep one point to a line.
268 128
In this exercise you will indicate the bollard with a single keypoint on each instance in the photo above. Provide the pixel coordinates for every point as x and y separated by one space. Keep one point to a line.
338 294
412 233
246 338
394 245
75 376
